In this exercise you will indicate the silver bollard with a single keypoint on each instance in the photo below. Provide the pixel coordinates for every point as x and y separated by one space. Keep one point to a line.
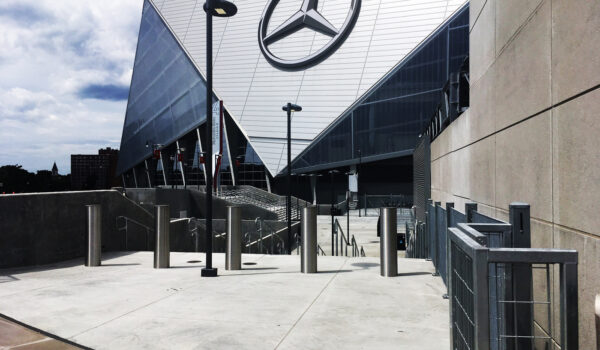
94 231
233 253
309 240
162 220
388 245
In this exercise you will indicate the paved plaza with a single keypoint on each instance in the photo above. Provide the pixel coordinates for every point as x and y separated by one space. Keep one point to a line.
268 305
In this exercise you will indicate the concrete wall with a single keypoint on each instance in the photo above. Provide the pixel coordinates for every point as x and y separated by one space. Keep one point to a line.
531 133
42 228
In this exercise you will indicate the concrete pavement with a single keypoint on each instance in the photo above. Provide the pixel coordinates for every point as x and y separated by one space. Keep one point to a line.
126 304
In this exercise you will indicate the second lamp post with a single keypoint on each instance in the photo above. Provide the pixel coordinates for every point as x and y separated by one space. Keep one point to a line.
289 108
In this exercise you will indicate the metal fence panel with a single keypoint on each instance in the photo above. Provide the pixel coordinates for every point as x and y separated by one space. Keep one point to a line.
456 217
484 219
441 249
431 226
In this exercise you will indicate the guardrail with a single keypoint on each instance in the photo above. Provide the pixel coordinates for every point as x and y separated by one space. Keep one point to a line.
339 232
125 228
480 283
251 195
515 320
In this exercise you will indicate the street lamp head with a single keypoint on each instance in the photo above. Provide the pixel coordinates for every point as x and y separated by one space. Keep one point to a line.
291 108
220 8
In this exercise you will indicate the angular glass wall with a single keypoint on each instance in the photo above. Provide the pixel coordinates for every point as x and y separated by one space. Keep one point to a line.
167 95
248 167
387 122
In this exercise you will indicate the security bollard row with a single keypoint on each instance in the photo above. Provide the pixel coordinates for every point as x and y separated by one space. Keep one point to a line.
233 254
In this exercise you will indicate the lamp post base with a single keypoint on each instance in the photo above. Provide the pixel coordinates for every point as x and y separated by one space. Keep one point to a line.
206 272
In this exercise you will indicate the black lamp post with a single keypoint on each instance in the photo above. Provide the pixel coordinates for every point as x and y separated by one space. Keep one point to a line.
289 108
217 8
332 173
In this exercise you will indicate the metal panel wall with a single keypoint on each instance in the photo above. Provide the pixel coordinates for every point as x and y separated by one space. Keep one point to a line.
421 177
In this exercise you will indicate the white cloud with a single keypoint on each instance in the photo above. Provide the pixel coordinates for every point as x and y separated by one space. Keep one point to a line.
49 51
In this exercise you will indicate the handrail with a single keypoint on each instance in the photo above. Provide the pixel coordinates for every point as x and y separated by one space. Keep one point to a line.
321 250
273 235
342 236
127 220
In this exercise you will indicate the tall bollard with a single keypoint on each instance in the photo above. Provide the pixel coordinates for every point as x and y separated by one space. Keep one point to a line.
388 246
162 220
94 232
233 253
309 240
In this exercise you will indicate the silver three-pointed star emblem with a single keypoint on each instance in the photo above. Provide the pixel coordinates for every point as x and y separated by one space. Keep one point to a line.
307 17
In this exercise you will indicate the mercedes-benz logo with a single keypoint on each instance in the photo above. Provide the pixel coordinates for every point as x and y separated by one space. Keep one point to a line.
307 17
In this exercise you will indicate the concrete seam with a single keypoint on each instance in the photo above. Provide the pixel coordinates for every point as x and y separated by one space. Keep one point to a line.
521 27
311 304
477 18
125 314
567 100
542 221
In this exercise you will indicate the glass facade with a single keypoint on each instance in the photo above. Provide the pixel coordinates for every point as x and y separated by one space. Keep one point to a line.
167 98
387 122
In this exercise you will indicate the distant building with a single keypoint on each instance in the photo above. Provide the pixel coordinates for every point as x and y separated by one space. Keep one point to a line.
54 170
94 171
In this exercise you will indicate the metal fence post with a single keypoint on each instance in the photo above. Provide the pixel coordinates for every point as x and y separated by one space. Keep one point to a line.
449 205
522 277
162 219
388 245
481 299
469 209
435 238
94 235
569 325
308 260
428 231
233 253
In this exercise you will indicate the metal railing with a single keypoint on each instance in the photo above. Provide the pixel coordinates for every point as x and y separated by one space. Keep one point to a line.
505 267
297 238
479 282
339 232
256 239
262 199
125 228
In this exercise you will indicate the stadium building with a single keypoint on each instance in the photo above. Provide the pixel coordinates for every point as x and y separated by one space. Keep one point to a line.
369 75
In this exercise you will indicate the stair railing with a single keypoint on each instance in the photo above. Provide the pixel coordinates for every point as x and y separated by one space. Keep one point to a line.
139 224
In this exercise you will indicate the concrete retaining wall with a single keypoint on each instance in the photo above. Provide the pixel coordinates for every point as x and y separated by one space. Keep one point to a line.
42 228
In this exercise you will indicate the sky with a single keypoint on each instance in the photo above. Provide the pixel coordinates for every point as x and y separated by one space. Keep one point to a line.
65 70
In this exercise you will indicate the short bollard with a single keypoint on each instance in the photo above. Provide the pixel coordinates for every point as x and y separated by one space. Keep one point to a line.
233 253
309 240
94 235
388 246
162 219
